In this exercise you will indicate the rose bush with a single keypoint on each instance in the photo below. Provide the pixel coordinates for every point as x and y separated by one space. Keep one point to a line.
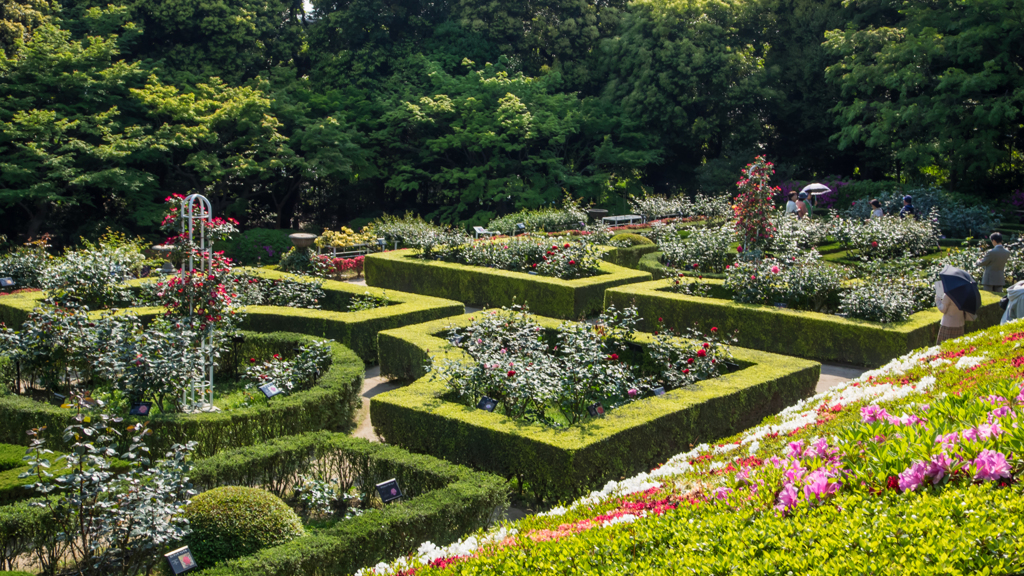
804 282
704 250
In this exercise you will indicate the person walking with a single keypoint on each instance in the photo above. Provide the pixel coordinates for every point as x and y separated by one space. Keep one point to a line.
791 205
994 262
908 207
876 208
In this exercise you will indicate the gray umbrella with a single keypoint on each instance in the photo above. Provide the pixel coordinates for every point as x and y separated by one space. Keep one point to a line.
816 189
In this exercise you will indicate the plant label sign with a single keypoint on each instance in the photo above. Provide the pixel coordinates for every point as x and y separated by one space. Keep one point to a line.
480 230
181 560
596 409
659 391
487 404
270 390
389 491
6 283
140 408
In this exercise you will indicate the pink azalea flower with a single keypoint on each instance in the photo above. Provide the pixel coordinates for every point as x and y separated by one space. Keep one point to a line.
998 413
871 414
795 472
913 477
940 465
948 441
991 465
820 448
788 497
722 493
795 449
818 485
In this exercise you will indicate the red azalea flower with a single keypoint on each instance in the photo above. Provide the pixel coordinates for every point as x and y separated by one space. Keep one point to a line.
874 244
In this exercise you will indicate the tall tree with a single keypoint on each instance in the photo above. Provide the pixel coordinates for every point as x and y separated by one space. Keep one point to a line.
940 90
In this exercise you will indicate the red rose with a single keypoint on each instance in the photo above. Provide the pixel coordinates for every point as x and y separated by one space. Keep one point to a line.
689 360
702 352
511 373
566 245
613 357
714 329
874 244
686 370
571 262
706 345
739 249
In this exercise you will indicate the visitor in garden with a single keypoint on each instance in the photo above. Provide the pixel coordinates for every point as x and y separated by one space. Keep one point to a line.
876 208
908 207
994 261
801 205
953 318
791 205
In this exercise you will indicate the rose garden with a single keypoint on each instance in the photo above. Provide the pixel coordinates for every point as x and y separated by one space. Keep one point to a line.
564 395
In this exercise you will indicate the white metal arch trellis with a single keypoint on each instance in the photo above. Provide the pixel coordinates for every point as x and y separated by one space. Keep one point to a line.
196 218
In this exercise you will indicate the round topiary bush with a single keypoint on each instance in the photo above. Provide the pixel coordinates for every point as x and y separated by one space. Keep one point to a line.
633 239
233 521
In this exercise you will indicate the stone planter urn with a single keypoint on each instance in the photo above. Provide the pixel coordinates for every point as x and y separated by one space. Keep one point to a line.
302 240
596 214
164 251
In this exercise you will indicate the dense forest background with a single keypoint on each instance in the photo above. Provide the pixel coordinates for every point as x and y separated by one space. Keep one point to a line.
285 113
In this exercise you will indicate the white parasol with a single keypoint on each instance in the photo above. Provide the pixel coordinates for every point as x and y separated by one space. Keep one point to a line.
816 189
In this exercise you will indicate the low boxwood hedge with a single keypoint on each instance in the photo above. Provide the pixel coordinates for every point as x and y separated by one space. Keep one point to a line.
556 463
328 406
478 286
357 330
630 256
823 337
442 502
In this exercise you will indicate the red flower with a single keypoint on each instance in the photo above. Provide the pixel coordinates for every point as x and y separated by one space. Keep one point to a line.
613 357
689 360
739 249
511 373
659 318
253 360
702 352
571 262
566 245
706 345
752 277
874 244
714 329
686 370
694 264
534 264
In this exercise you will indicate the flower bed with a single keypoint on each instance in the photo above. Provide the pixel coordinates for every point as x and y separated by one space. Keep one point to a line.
479 286
554 463
914 466
329 405
804 334
355 329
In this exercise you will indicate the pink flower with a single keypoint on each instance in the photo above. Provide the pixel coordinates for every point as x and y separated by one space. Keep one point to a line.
722 493
795 449
739 249
818 485
787 497
632 392
752 277
819 447
913 477
948 441
795 472
940 465
991 465
871 414
775 269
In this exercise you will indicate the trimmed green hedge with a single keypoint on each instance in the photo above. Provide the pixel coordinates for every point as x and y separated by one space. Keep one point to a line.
357 330
823 337
328 406
442 502
477 286
23 527
629 257
558 463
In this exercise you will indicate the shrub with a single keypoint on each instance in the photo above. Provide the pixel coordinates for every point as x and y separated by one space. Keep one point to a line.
256 246
406 230
877 302
956 218
562 259
888 237
803 282
234 521
93 276
631 239
25 264
548 219
654 207
704 250
754 204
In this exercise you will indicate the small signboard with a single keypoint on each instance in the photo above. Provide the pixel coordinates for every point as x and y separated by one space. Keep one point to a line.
487 404
596 409
6 282
389 491
140 408
58 399
270 390
181 560
480 230
659 391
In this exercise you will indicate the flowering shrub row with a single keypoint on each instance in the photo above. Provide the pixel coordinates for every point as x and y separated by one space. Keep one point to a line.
566 258
530 373
704 250
888 237
569 216
803 282
914 464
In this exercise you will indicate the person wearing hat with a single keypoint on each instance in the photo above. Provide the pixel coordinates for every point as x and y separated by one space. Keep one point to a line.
908 208
791 205
876 208
994 262
801 205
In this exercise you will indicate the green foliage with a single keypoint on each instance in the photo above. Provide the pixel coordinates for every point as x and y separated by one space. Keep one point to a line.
703 250
442 501
233 521
250 247
631 239
933 88
476 286
557 463
823 337
550 219
956 219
